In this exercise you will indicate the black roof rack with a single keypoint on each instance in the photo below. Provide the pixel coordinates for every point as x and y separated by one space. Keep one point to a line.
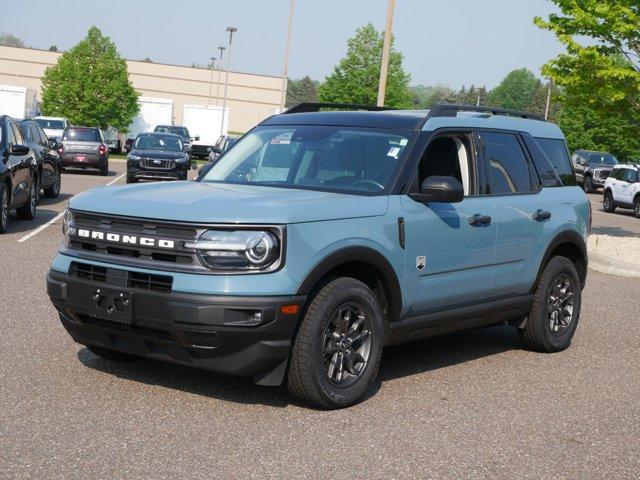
445 110
316 107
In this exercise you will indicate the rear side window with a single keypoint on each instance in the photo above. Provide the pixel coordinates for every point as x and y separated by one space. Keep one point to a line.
81 135
556 152
630 176
507 164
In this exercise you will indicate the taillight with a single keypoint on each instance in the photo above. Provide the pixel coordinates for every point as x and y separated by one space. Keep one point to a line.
102 149
61 149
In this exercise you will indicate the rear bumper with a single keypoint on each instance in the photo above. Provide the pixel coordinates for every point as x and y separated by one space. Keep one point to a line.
219 333
91 161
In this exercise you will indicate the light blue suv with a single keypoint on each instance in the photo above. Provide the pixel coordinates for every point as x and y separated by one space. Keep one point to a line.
323 236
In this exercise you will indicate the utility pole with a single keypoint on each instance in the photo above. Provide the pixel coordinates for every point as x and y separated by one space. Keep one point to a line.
285 65
386 46
231 31
222 49
548 106
213 62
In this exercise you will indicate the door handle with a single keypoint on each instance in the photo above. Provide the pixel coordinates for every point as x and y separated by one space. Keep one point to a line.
541 215
478 220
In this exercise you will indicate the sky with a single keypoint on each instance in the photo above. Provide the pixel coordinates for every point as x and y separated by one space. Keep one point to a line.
452 42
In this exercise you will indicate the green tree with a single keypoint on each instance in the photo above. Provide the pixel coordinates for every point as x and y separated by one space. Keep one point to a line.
516 91
90 85
355 78
424 96
602 72
301 90
585 129
8 40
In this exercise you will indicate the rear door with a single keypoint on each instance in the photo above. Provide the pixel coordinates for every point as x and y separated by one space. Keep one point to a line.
629 178
523 212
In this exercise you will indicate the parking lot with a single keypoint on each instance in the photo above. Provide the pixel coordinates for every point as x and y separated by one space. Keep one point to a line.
470 405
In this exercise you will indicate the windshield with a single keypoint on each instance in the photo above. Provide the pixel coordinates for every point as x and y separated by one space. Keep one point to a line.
50 124
158 142
182 131
316 157
603 159
81 135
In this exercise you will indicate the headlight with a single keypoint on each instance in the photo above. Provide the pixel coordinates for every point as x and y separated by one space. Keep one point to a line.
131 156
251 250
67 223
181 159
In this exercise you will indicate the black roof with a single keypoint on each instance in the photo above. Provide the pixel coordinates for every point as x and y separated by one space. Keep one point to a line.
391 120
161 134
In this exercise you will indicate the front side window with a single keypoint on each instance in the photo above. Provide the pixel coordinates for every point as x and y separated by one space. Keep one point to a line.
630 176
507 165
328 158
158 142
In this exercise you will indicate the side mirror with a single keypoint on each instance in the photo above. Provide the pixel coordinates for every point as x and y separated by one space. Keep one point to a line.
53 143
20 150
439 189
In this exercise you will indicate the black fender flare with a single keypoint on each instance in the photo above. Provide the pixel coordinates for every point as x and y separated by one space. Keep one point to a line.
567 236
364 255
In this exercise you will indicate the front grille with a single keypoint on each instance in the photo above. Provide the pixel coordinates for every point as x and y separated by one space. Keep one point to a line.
200 149
89 272
157 283
604 174
161 164
115 276
177 259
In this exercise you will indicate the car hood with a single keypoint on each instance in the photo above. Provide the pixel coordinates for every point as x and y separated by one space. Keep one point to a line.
160 154
198 202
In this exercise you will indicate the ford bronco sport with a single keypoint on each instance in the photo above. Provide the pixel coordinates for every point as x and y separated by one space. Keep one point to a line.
323 236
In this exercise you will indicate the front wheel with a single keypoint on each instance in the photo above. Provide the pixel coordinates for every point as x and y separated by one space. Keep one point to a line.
556 307
607 204
636 207
337 350
588 185
4 207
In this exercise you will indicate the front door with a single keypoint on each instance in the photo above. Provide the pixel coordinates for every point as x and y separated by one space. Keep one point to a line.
449 253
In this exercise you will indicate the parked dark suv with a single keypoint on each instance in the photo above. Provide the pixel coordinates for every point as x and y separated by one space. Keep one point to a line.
592 168
18 174
84 147
157 156
49 163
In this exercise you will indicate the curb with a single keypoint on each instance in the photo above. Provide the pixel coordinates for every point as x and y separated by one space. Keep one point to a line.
613 266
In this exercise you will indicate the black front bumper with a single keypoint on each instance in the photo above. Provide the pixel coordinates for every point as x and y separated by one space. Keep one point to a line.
247 336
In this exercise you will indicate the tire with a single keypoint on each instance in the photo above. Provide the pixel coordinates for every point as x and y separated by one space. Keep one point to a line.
112 355
636 207
588 185
4 208
608 205
104 171
132 179
327 369
544 331
28 210
53 191
37 191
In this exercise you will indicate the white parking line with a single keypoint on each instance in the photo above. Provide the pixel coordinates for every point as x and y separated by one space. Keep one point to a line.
57 217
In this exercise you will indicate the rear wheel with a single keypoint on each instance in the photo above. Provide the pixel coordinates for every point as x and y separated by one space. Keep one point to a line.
337 350
104 171
4 208
636 207
556 307
608 204
112 355
28 210
53 190
588 185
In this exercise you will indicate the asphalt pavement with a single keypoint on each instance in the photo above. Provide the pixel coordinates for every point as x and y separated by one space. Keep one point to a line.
620 223
470 405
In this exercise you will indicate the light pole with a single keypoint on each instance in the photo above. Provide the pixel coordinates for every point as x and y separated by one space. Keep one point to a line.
285 66
386 46
222 49
213 62
548 105
231 31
